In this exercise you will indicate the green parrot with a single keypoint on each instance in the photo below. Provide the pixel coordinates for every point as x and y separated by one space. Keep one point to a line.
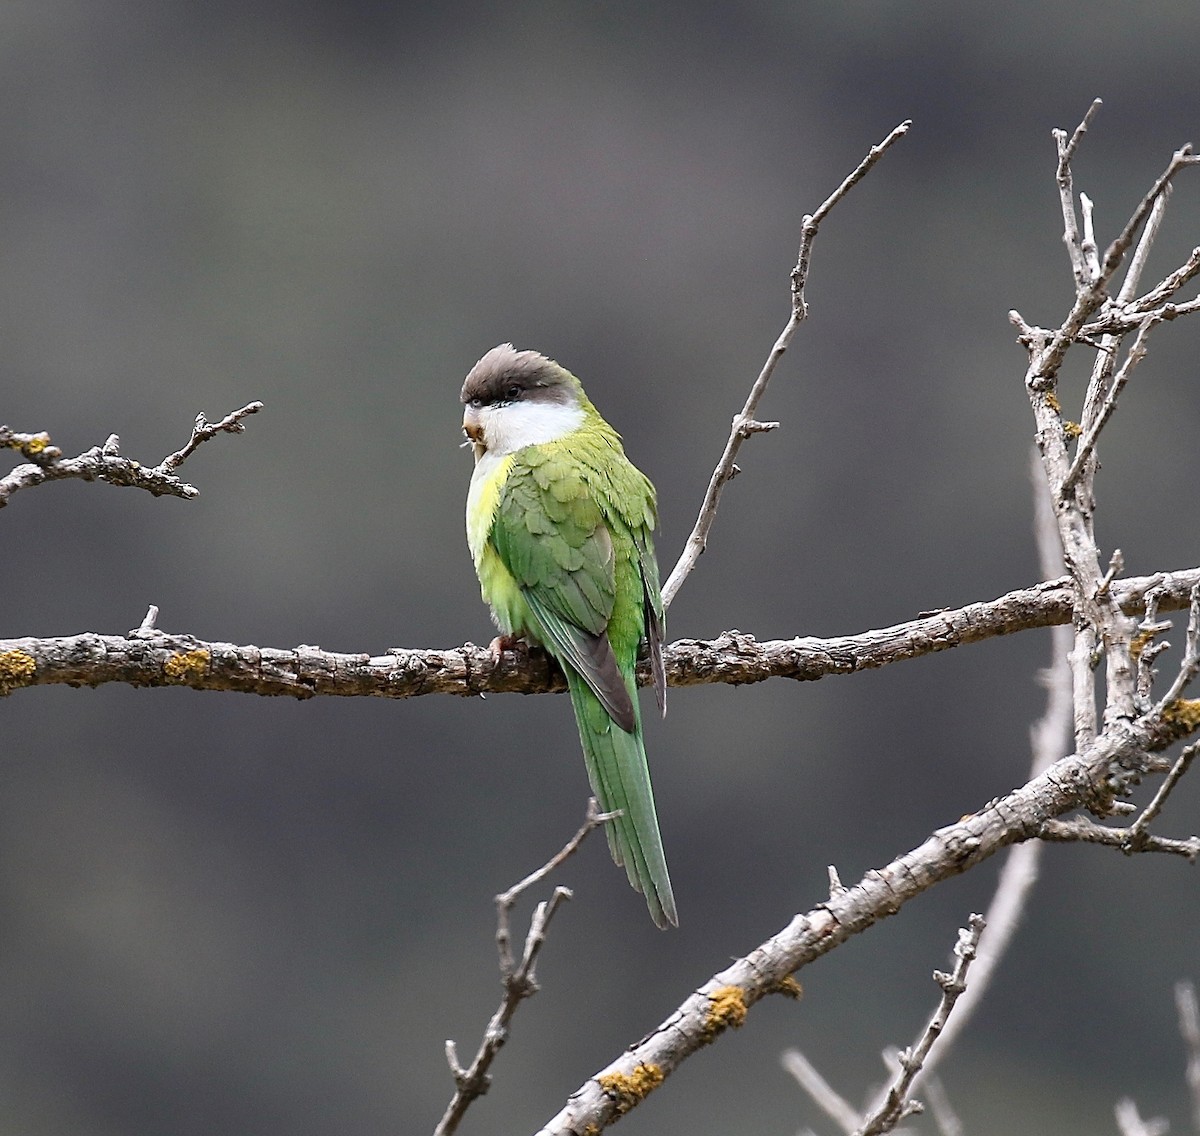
559 523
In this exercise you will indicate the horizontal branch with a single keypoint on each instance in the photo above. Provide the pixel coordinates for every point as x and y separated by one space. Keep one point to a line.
148 657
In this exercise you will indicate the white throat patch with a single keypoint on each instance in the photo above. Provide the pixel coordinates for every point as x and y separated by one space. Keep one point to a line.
511 427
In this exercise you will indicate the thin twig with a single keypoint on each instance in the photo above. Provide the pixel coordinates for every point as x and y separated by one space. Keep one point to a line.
1191 655
593 819
1112 256
1136 832
203 430
1088 442
519 978
1169 285
1106 352
1066 151
105 463
1141 254
146 629
1083 830
745 423
1090 289
897 1102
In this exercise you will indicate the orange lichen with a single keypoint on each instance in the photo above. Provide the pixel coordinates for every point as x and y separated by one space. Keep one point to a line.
789 987
1183 714
726 1010
630 1089
17 668
1138 644
187 666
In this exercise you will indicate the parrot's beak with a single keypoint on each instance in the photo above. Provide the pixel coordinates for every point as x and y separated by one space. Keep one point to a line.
473 429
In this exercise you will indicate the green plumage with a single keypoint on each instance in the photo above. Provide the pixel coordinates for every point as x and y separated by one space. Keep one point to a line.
568 562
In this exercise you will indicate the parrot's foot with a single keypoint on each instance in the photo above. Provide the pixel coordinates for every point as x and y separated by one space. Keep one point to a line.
502 643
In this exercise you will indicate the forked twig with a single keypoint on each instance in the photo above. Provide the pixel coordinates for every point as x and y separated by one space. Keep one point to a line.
203 430
745 423
1137 833
897 1103
45 462
1087 443
593 819
519 978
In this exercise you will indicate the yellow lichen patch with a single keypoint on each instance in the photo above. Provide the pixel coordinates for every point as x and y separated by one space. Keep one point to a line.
789 987
1072 429
1138 644
16 669
187 666
629 1089
1053 403
727 1008
1184 714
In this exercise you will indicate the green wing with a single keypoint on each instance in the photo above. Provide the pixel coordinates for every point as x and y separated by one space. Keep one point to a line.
553 538
586 570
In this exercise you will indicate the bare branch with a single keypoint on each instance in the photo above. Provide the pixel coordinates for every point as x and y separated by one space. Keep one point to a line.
1112 255
1136 833
897 1102
723 1001
1099 620
1137 262
593 819
157 658
1081 830
520 980
745 423
1066 152
105 463
1047 352
1169 285
1191 655
203 430
1088 442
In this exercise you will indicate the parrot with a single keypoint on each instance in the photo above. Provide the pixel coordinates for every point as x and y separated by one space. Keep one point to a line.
559 525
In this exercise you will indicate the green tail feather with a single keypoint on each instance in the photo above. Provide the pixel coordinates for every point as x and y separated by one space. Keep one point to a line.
620 778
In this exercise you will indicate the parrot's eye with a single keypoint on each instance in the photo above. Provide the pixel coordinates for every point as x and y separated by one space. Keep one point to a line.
475 403
513 393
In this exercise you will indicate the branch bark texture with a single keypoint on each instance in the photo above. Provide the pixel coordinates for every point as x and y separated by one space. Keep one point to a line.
148 657
1076 781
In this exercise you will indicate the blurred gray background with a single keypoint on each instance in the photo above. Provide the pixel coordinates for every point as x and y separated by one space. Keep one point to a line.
223 914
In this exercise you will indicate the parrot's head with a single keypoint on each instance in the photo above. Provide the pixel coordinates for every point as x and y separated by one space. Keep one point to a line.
512 399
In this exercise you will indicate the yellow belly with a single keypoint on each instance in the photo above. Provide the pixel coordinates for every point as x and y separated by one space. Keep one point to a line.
496 584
